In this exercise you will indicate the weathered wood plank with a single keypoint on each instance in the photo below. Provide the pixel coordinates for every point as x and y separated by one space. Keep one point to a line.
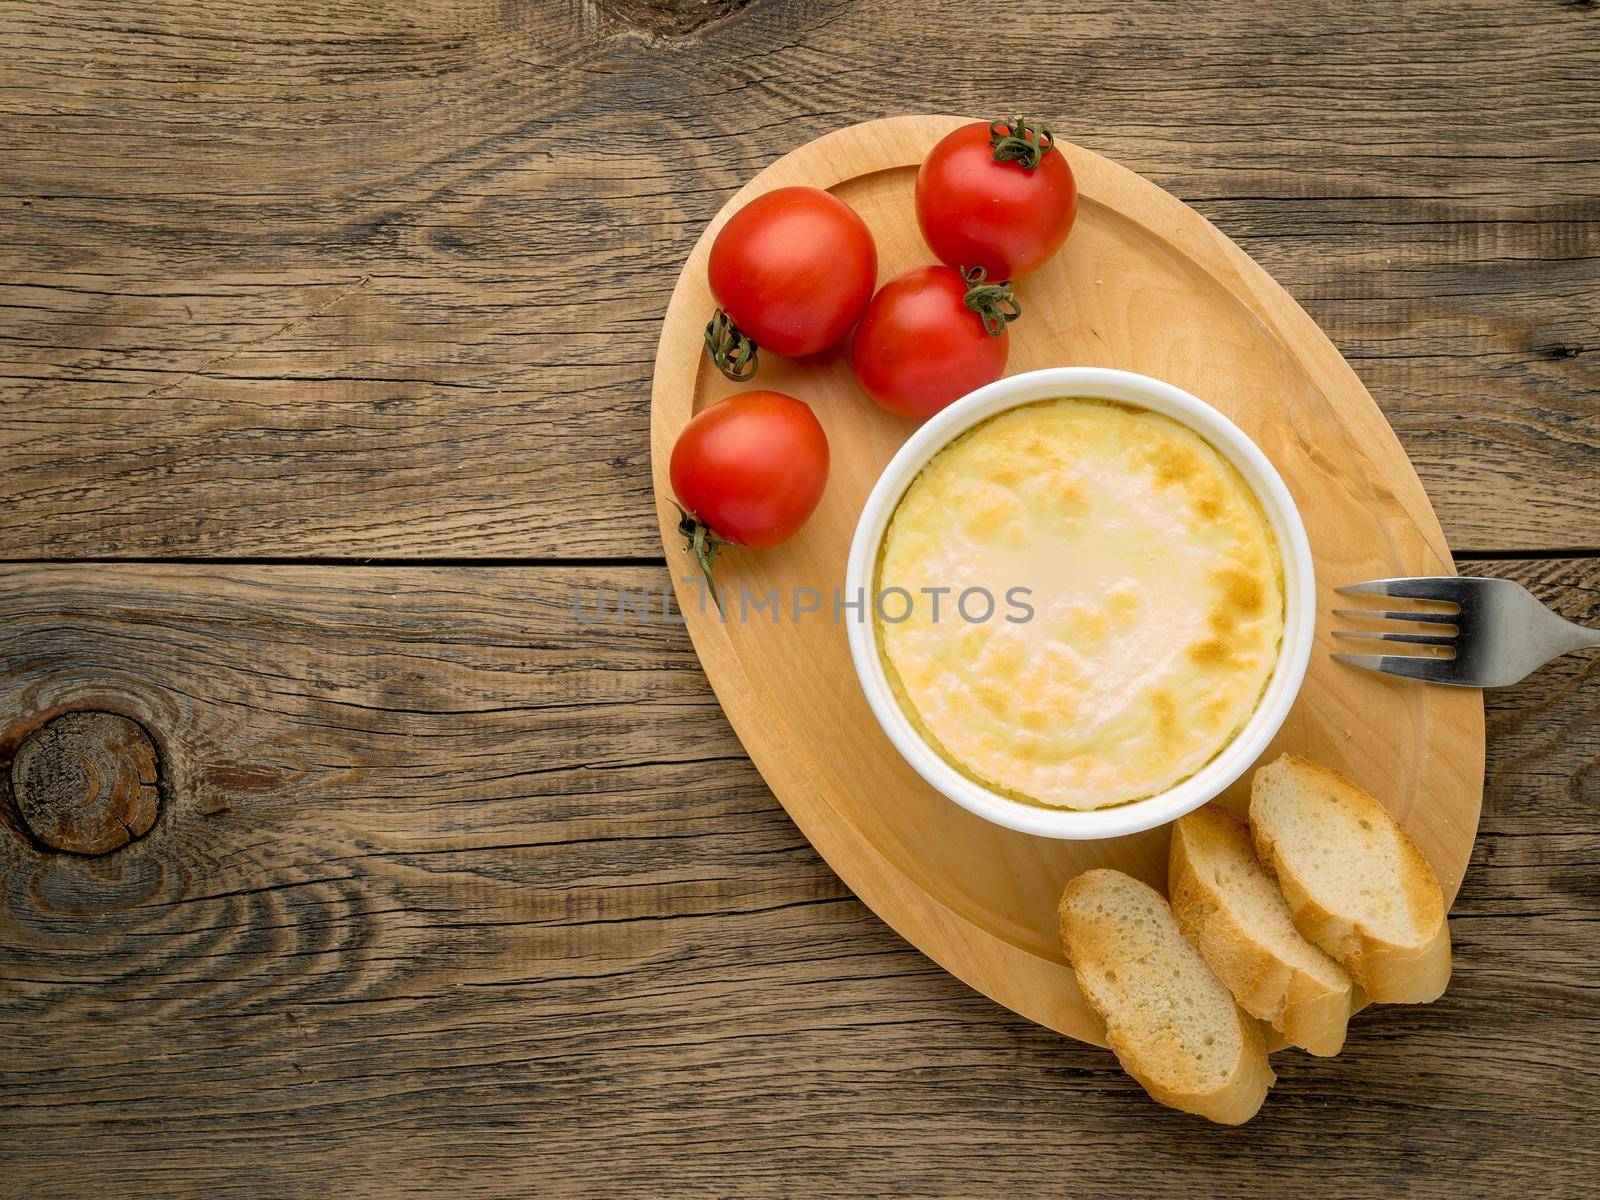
450 893
280 282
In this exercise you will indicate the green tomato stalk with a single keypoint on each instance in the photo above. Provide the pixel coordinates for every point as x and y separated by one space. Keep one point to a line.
1019 142
994 303
730 348
704 545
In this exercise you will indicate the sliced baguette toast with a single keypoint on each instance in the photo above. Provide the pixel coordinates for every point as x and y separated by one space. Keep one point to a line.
1169 1020
1356 884
1230 908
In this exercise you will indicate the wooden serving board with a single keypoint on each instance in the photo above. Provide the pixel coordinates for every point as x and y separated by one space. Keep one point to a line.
1144 283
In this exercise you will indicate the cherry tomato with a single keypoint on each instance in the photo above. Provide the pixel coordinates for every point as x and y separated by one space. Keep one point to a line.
792 271
996 196
751 468
920 344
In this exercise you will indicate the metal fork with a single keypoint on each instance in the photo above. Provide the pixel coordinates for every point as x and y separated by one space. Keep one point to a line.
1499 631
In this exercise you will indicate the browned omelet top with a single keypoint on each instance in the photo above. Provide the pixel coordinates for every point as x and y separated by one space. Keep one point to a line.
1157 595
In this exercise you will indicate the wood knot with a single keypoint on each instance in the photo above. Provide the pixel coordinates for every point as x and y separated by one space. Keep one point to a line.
670 18
85 782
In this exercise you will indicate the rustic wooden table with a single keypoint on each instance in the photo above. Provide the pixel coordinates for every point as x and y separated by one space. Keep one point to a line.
327 344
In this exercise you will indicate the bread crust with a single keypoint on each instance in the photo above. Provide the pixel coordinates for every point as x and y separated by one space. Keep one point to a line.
1411 972
1240 1095
1309 1012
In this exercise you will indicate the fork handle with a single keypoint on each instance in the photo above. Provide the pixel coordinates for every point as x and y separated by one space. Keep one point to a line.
1583 638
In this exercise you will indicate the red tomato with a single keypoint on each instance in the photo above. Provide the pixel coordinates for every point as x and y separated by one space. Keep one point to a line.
919 345
751 468
979 203
792 270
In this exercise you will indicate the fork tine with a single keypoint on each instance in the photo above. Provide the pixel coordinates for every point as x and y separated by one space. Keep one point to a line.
1445 589
1415 639
1431 670
1400 614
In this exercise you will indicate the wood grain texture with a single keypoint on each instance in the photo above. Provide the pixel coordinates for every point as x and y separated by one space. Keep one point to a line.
289 281
1147 286
451 895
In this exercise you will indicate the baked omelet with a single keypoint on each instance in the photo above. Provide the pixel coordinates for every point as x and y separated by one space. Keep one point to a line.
1156 594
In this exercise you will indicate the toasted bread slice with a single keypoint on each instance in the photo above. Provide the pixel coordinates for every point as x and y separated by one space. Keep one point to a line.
1356 884
1169 1020
1231 909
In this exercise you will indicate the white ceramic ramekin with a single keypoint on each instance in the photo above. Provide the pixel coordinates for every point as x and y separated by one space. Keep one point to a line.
1136 391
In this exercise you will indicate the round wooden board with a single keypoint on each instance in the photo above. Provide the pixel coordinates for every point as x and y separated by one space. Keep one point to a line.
1144 283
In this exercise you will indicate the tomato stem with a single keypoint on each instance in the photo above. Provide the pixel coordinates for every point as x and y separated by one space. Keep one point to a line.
730 348
704 545
1019 142
994 303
